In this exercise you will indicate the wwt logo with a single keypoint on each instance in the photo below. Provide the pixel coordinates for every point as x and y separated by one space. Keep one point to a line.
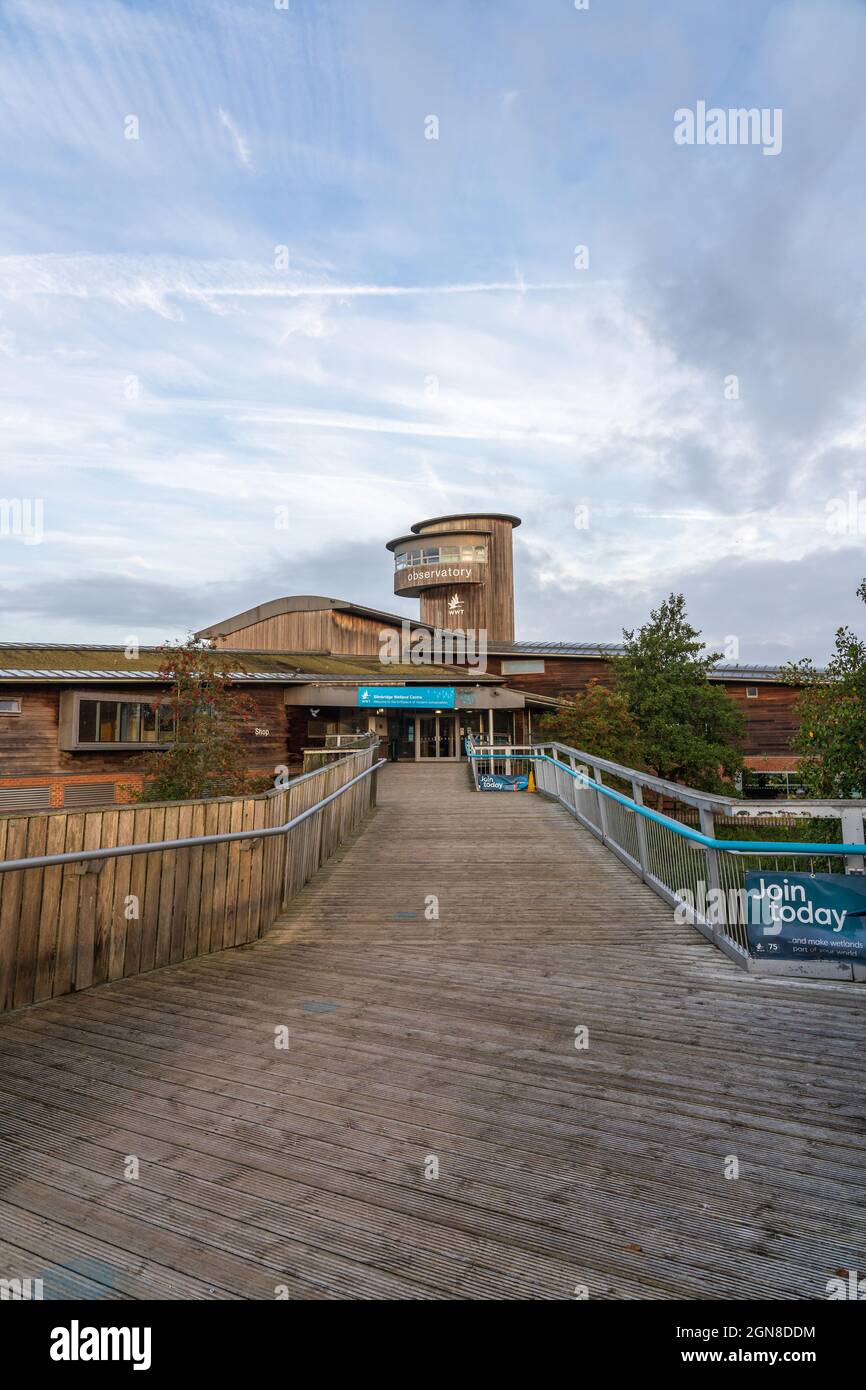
77 1343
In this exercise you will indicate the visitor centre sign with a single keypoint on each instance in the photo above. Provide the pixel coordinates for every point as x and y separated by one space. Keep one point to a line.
406 697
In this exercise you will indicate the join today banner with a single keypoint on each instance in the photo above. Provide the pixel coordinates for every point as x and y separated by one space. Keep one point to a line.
499 782
806 916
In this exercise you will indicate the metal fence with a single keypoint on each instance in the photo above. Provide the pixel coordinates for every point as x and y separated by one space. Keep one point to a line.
699 872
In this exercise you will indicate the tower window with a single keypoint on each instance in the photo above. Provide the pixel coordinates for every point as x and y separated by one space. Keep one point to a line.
441 555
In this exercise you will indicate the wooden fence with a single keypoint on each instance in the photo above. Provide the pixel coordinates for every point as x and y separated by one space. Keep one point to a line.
70 926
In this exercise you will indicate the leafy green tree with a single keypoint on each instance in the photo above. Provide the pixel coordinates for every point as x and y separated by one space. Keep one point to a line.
206 756
831 738
690 730
596 720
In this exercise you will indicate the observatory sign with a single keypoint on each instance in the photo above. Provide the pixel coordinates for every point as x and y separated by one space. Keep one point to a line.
412 581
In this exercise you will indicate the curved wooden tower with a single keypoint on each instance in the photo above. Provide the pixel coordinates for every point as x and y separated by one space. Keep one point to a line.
461 569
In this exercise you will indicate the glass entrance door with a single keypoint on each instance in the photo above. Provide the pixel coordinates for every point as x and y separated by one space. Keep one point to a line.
447 735
427 738
436 737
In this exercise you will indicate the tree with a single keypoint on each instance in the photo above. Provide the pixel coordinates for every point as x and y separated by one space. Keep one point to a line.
831 738
596 720
206 756
689 728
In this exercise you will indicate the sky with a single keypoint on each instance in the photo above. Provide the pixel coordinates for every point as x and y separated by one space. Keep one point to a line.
276 283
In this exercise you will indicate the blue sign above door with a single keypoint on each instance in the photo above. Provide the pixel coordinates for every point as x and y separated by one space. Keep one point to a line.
806 916
406 697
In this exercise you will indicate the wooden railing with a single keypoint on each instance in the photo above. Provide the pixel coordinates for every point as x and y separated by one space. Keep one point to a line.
70 925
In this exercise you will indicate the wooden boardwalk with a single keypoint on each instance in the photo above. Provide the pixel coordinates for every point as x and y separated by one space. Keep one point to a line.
416 1042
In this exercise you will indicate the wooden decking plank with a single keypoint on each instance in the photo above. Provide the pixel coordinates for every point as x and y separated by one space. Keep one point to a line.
453 1037
582 1235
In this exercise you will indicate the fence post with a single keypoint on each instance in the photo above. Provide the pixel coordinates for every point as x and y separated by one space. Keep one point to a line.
711 858
852 834
642 847
602 808
554 753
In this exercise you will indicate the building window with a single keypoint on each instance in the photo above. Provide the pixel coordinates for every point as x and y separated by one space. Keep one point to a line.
441 555
771 786
124 721
503 726
751 692
120 721
522 668
10 706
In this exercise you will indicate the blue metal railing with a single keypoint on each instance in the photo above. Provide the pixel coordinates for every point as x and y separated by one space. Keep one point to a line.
699 874
687 833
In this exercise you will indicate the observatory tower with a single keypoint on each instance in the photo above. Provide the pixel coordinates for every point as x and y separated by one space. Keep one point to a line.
461 569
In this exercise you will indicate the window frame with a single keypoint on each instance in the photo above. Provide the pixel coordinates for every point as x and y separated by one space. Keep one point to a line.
522 666
70 705
12 700
466 554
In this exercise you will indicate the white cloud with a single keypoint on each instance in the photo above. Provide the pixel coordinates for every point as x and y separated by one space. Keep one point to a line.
154 260
242 149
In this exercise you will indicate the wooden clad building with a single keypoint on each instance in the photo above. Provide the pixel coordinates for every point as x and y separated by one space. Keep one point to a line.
76 720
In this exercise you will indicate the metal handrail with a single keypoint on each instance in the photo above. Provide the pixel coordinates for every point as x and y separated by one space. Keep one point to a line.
687 833
708 800
703 878
44 861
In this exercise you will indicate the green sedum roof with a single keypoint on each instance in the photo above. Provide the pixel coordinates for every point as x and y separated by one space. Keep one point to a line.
56 662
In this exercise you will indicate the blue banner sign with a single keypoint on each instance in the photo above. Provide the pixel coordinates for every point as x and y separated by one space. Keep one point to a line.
806 916
406 697
498 782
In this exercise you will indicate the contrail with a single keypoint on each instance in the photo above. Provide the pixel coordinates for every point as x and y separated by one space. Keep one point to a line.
473 287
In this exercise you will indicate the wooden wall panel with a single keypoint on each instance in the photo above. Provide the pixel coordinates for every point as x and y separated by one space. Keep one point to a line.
771 718
323 630
29 741
561 675
489 605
